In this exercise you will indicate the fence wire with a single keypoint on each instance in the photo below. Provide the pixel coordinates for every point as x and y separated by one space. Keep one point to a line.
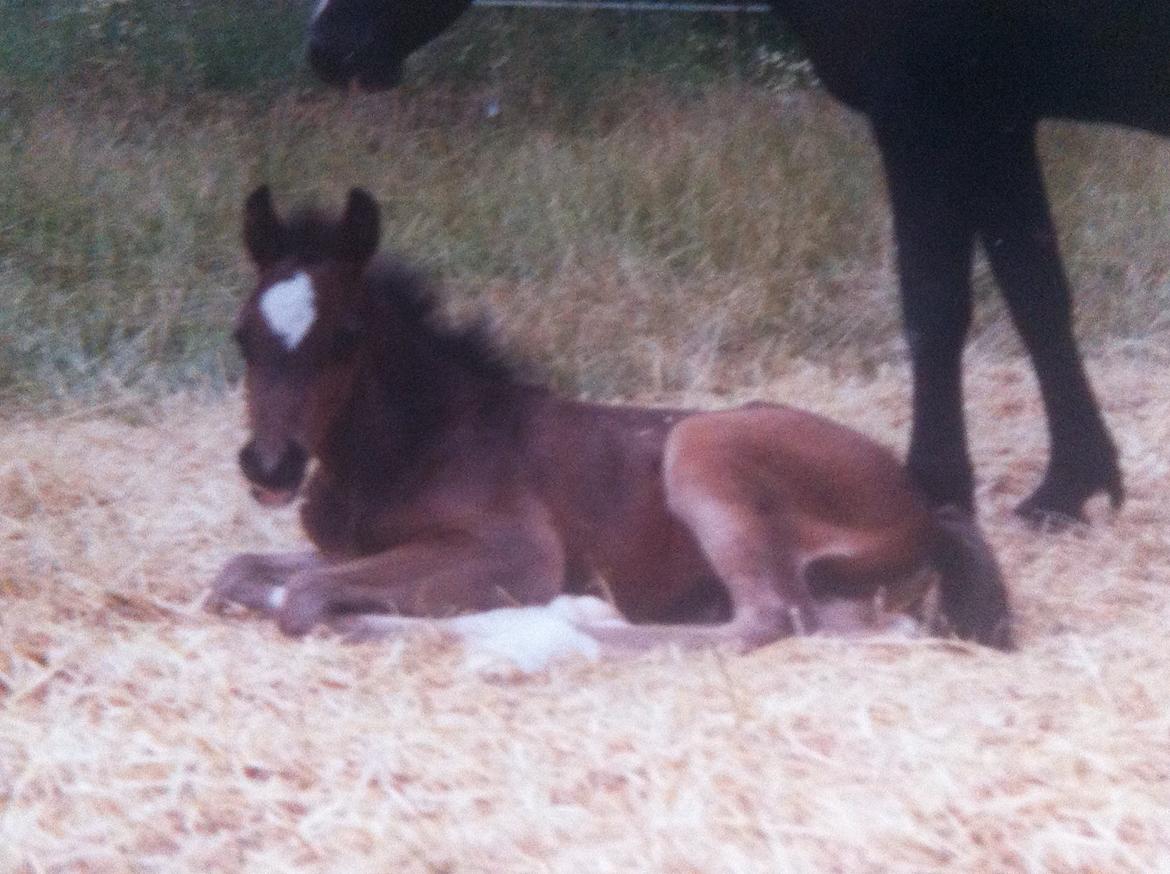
632 5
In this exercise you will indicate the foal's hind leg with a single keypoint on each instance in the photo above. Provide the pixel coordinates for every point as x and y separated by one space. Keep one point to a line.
742 529
712 486
258 581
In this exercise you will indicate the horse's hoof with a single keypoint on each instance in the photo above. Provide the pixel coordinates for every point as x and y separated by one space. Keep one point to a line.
1057 506
1041 517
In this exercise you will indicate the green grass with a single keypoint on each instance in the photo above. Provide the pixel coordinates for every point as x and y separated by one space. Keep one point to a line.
684 227
180 47
185 47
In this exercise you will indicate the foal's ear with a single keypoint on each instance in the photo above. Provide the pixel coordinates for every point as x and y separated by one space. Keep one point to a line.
262 229
358 233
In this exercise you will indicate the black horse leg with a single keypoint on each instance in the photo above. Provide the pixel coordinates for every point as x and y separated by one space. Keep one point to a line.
935 240
1020 241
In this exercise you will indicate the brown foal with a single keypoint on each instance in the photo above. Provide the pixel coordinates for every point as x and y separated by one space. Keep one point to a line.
444 484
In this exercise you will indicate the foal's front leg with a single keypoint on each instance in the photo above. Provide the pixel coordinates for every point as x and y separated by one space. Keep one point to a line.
257 580
441 576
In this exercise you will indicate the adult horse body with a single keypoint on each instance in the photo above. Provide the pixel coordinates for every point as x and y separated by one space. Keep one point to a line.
953 90
443 484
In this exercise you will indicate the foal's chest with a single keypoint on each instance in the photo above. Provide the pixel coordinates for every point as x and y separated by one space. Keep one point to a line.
345 523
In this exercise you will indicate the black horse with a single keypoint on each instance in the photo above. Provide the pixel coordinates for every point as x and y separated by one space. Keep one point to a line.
953 90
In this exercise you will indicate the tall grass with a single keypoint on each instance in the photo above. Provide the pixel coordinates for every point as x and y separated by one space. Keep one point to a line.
179 46
664 231
245 46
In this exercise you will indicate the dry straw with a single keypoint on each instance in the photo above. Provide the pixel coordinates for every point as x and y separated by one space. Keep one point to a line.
139 734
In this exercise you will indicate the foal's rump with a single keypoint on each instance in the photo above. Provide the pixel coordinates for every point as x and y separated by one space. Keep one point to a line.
823 489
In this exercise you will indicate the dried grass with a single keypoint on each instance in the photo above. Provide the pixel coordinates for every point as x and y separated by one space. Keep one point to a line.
654 232
139 734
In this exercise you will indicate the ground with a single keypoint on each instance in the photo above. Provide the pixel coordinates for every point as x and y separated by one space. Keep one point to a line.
138 733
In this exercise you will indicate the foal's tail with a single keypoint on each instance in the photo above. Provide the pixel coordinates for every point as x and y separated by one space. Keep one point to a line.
973 594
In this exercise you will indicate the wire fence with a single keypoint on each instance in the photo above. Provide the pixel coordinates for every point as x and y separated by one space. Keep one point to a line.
632 5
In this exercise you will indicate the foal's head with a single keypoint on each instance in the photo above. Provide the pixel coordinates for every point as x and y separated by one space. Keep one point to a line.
300 333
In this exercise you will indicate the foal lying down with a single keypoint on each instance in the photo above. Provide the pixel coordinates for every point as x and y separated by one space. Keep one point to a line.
445 485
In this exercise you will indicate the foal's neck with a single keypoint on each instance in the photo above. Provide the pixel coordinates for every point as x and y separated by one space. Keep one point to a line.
411 405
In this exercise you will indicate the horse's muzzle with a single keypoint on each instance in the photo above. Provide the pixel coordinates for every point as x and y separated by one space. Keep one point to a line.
274 482
336 64
330 65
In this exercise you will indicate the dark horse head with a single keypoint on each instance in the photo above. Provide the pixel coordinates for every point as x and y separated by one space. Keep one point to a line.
367 41
299 333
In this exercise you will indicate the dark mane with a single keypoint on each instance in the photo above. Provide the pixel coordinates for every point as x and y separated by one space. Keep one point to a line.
414 301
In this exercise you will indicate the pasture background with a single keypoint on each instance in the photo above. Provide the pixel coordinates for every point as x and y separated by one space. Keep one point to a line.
636 216
661 210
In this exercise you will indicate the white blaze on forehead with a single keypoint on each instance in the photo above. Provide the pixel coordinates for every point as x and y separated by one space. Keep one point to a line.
289 308
318 10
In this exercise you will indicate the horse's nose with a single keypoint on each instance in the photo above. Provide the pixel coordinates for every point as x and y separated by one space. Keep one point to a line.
328 61
283 470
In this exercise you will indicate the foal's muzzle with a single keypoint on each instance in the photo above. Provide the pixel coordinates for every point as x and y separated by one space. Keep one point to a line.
274 481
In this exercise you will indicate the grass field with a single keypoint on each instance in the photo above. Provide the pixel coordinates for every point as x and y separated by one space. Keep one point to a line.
659 239
680 236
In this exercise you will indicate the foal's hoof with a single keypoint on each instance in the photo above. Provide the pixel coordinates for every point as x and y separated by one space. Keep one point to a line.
1001 636
768 626
241 582
216 603
302 609
253 596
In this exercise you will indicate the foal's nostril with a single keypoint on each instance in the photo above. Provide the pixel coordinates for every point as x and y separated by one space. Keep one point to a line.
284 471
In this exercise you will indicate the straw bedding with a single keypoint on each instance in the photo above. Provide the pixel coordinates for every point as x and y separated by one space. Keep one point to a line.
138 733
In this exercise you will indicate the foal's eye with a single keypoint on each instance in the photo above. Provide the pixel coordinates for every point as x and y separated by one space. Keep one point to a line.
344 344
